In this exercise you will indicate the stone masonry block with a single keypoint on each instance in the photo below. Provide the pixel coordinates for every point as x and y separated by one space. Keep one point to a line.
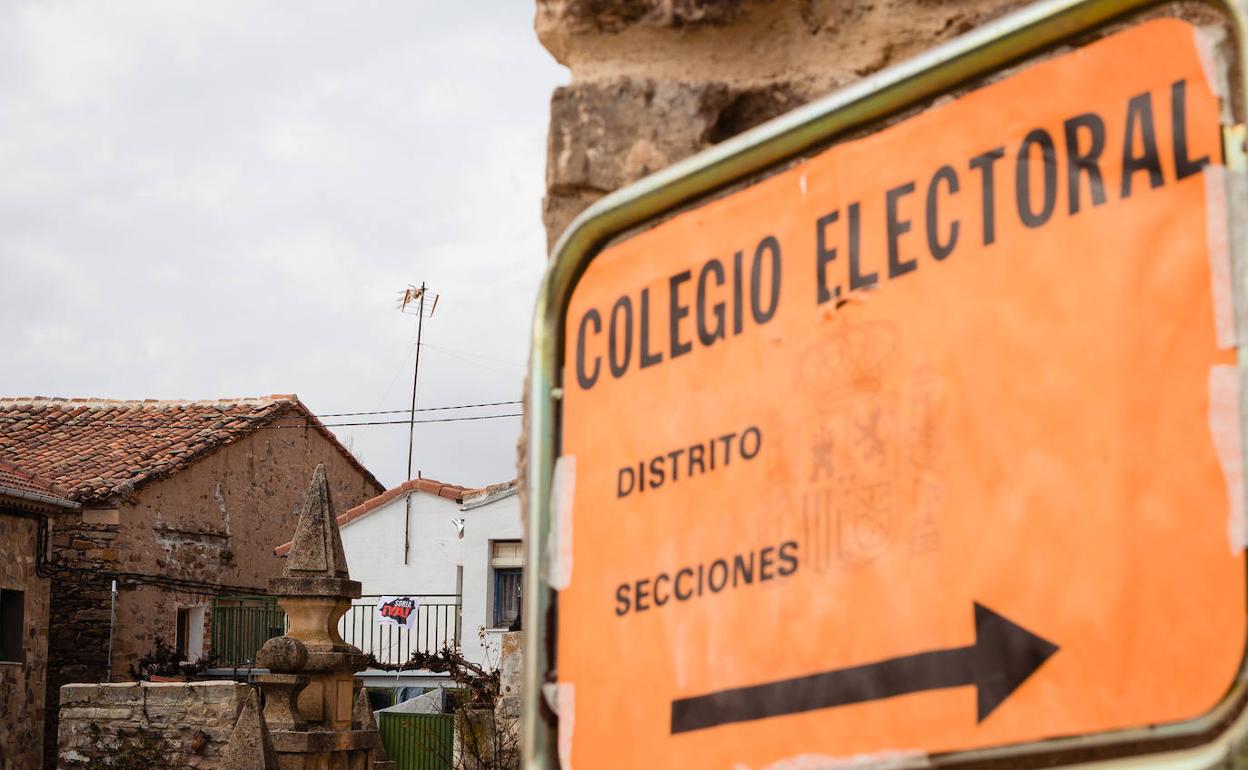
612 16
100 694
606 134
96 718
558 211
96 714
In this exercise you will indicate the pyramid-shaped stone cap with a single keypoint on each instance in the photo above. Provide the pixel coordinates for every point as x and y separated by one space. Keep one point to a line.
362 719
249 747
317 547
316 564
362 713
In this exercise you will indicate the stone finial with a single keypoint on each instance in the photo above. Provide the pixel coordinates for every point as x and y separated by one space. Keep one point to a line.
362 719
249 747
362 714
317 547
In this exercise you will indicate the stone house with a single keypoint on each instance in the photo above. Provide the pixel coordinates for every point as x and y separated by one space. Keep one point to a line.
177 503
25 504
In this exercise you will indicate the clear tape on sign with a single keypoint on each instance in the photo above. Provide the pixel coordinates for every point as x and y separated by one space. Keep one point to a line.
560 698
1236 190
882 760
1221 184
559 540
1224 414
565 698
1214 49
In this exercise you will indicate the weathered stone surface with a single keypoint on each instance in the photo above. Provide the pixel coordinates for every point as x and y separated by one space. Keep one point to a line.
654 81
22 686
606 134
189 723
362 718
613 16
558 211
362 713
249 747
281 700
315 713
317 546
753 105
510 670
282 655
753 41
314 742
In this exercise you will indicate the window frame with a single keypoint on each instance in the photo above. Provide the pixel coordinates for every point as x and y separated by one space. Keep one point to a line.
12 626
499 574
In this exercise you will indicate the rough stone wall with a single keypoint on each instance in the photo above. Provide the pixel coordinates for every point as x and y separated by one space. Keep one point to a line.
209 529
220 519
218 522
22 693
99 720
84 556
510 671
654 81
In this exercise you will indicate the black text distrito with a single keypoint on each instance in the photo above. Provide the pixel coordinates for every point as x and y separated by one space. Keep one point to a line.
687 462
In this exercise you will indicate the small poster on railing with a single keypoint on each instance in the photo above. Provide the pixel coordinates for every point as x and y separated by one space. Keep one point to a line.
397 611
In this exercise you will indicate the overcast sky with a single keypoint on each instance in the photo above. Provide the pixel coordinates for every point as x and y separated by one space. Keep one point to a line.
223 199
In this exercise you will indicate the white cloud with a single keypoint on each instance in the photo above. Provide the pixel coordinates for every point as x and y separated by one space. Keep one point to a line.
221 199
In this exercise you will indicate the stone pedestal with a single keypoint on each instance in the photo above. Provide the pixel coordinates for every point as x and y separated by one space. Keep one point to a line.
311 713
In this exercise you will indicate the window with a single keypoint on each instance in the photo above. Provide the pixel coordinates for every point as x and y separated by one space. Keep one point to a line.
506 560
190 633
506 597
12 625
184 630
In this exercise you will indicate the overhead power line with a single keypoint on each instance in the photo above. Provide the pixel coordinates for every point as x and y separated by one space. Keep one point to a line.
409 422
357 414
421 409
78 422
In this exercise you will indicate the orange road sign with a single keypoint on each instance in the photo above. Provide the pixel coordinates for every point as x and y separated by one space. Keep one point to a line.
927 443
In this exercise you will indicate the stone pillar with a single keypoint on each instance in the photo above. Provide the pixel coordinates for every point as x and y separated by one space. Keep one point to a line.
510 662
654 81
310 693
84 559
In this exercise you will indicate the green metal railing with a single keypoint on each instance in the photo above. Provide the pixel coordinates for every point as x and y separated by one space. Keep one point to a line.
242 624
418 741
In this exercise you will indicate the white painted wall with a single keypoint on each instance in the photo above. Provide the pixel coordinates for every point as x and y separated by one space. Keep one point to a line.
495 520
374 547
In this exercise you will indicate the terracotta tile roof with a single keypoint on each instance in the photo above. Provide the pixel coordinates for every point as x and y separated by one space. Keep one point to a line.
21 487
96 449
428 486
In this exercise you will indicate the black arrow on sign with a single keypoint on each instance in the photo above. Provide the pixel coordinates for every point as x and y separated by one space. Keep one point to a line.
1003 656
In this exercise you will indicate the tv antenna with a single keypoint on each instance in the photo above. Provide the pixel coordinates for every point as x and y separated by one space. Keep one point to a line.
413 302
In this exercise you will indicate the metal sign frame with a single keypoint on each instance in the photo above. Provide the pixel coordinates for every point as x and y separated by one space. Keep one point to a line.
1218 738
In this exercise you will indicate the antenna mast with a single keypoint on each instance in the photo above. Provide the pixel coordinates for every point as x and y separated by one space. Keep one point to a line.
413 296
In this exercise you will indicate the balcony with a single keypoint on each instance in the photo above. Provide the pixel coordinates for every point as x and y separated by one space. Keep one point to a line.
240 625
